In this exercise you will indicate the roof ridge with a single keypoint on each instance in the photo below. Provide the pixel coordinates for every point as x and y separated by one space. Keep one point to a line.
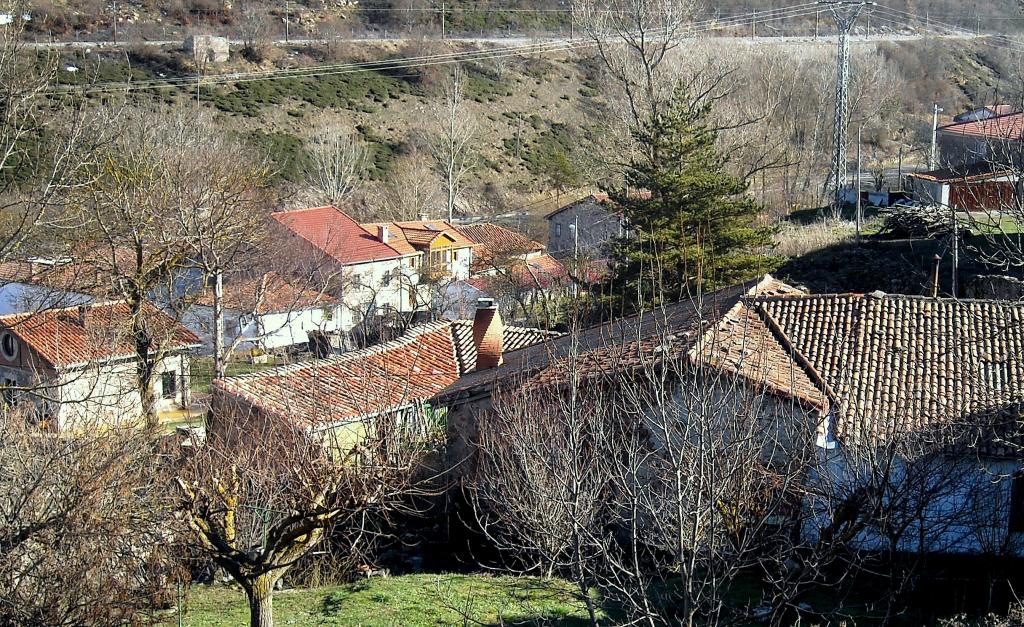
59 310
301 209
401 341
885 296
787 344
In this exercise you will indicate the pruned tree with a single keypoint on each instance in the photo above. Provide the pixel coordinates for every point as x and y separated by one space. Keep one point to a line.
265 490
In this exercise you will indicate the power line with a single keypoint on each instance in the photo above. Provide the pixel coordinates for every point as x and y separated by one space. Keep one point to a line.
695 29
845 13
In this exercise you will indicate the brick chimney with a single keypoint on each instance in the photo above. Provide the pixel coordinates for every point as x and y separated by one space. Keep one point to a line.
488 334
384 233
83 315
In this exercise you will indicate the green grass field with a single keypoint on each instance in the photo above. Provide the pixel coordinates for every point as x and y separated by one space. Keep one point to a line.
202 372
406 600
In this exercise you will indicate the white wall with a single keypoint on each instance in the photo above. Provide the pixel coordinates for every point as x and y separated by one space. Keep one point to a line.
278 330
952 505
380 283
107 394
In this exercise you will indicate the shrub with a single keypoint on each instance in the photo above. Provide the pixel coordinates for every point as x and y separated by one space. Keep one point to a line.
797 240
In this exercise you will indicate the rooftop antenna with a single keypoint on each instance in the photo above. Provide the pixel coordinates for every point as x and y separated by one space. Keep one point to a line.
845 13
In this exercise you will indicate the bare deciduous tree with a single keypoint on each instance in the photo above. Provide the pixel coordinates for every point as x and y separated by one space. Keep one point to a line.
154 214
337 161
87 531
452 142
264 491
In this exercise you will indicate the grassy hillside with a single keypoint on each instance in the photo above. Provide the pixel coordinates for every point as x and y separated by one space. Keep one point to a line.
541 117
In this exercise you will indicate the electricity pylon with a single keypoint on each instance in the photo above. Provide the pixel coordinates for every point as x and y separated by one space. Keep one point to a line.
845 13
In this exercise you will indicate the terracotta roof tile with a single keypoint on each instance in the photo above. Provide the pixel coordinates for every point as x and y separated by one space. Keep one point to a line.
1009 126
332 231
495 242
897 363
59 337
386 377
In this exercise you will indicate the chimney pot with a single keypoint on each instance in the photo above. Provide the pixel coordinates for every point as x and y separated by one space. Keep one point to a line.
488 334
384 234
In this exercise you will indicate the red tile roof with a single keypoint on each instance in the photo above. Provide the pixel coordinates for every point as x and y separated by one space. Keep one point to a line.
1002 127
386 377
496 240
883 365
60 339
543 272
332 231
270 293
896 363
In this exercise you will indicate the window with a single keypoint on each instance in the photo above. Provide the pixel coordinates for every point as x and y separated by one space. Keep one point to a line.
1017 503
169 383
455 255
9 345
9 386
558 230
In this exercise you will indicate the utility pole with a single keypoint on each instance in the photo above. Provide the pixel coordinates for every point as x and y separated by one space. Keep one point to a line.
932 161
845 13
899 168
753 23
442 21
287 19
956 249
115 21
816 13
857 187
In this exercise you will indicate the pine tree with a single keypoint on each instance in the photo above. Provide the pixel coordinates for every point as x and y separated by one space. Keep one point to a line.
691 224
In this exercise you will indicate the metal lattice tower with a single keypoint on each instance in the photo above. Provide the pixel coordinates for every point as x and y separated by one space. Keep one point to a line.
845 13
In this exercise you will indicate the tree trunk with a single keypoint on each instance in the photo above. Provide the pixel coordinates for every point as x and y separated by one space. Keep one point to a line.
261 601
219 358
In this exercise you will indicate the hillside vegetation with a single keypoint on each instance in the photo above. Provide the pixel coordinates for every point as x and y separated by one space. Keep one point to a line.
541 119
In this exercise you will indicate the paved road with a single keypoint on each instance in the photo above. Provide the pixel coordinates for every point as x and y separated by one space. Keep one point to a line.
523 41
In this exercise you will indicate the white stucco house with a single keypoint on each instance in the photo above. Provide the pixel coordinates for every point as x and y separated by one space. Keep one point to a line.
76 368
376 270
365 274
265 313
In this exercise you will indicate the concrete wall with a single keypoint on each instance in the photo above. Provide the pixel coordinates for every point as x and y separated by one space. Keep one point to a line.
929 192
597 226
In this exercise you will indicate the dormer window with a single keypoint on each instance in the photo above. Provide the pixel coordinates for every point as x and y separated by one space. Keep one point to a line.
8 346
